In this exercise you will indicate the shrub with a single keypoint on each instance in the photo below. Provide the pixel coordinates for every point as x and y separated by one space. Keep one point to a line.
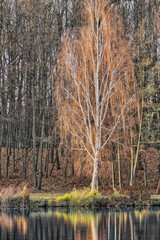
15 198
82 198
50 202
14 192
64 198
115 196
24 193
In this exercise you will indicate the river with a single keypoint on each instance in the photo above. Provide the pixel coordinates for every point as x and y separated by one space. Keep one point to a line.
65 224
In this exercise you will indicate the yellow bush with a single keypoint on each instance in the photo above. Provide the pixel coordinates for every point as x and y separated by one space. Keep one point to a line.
82 198
64 198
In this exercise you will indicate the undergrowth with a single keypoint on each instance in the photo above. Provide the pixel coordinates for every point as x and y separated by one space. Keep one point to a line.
82 198
13 192
115 196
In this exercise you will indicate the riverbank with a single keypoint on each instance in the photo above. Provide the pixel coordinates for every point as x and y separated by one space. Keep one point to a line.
110 201
35 201
23 198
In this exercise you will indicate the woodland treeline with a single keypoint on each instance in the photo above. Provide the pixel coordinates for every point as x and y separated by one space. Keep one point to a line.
32 132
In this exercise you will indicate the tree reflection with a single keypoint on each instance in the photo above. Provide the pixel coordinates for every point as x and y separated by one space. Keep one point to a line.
9 222
86 225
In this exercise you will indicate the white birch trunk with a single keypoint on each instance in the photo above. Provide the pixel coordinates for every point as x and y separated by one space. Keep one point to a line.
94 186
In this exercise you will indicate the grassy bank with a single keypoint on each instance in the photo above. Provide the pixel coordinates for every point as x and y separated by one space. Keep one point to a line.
83 198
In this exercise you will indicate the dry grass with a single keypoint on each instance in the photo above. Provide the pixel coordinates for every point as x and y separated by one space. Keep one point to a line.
82 198
13 192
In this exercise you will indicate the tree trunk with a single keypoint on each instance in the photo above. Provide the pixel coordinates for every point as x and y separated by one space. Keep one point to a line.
94 186
14 155
131 166
52 160
37 155
41 153
129 176
119 169
57 159
34 140
7 162
65 172
145 170
72 168
47 161
0 161
25 162
113 176
139 137
52 154
52 168
1 139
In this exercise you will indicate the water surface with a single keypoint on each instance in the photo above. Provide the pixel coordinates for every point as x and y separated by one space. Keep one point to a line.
65 224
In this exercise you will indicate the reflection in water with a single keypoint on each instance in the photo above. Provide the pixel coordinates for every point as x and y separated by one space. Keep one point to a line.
76 225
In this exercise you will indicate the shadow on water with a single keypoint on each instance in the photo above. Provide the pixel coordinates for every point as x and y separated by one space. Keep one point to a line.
65 224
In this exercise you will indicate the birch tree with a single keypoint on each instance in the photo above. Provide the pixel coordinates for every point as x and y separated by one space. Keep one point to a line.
96 81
